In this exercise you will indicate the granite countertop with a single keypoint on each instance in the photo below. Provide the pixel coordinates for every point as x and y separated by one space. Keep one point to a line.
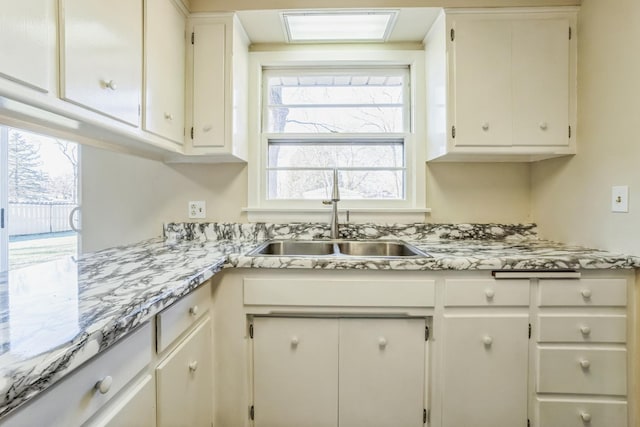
57 315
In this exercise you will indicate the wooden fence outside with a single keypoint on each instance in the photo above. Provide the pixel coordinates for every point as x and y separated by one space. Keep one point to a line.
39 218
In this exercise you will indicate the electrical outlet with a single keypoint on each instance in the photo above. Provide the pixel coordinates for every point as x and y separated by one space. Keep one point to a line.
197 209
620 198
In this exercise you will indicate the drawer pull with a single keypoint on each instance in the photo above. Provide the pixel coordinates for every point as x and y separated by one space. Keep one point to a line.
168 116
193 366
193 310
489 293
382 342
585 416
294 341
586 293
585 330
104 385
585 364
109 84
487 341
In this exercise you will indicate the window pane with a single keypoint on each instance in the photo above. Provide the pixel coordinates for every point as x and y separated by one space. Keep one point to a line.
357 119
353 185
387 154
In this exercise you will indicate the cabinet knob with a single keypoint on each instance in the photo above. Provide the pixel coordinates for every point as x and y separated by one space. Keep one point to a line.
193 310
110 85
382 342
168 116
585 330
490 293
485 126
543 125
586 293
193 366
295 341
104 385
585 416
585 364
487 340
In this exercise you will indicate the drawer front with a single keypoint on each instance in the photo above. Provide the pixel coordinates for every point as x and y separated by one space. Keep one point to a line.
583 292
583 371
76 398
576 413
339 293
137 408
175 320
487 292
582 329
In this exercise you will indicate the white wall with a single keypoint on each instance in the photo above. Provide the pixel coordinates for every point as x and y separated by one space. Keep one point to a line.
571 196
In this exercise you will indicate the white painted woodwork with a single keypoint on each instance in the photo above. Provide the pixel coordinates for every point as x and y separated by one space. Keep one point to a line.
486 292
574 413
184 382
582 329
28 42
295 372
582 370
540 81
136 408
165 59
583 292
75 399
209 84
101 57
175 320
484 370
381 372
339 292
483 95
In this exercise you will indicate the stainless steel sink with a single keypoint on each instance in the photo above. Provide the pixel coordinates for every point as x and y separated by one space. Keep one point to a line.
338 248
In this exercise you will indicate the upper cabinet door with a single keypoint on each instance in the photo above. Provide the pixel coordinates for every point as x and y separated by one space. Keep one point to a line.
165 27
28 42
481 82
541 82
102 56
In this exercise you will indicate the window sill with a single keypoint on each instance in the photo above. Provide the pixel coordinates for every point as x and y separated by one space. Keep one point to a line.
358 215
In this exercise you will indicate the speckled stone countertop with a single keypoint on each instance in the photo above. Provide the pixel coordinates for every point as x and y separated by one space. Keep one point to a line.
57 315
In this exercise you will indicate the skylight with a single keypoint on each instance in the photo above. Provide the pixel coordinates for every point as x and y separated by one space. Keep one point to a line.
339 26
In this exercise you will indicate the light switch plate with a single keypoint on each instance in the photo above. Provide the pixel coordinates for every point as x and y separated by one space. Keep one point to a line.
620 198
198 209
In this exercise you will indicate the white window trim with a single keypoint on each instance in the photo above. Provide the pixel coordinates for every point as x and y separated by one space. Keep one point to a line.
411 209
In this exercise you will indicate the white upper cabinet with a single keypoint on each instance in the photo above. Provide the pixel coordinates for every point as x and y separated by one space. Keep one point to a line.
217 88
165 29
501 85
28 43
101 56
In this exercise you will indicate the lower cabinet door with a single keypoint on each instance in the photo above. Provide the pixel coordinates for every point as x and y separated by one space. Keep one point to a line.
184 382
295 364
485 365
136 408
382 372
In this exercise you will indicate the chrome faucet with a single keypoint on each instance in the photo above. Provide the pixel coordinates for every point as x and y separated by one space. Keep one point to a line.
335 198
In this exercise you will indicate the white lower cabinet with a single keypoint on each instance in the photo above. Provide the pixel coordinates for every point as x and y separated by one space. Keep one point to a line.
485 370
184 381
346 372
581 413
137 408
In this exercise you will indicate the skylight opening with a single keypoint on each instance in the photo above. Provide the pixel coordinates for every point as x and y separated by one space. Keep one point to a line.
338 26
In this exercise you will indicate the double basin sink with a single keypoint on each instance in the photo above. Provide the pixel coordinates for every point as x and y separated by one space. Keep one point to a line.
338 248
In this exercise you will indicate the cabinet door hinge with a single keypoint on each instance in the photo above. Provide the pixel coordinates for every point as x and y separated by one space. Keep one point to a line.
453 132
251 331
424 416
528 423
193 38
252 413
569 131
2 218
453 34
427 333
529 330
192 132
569 33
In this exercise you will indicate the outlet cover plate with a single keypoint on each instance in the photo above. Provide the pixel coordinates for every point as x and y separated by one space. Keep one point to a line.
197 209
620 198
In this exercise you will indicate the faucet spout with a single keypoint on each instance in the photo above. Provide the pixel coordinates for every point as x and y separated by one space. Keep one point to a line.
335 198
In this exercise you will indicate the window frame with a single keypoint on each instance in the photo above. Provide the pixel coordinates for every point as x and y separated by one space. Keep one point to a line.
412 207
